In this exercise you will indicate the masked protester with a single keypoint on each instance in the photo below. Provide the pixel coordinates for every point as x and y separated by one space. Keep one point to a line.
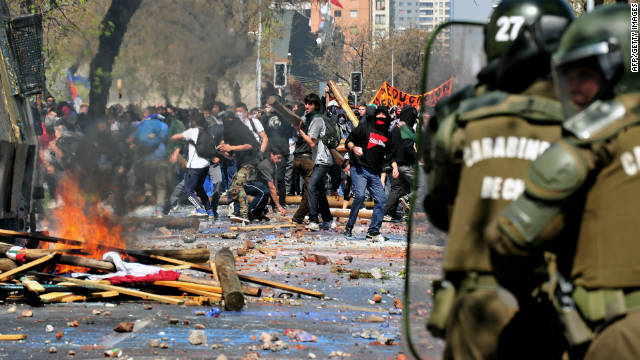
403 136
368 146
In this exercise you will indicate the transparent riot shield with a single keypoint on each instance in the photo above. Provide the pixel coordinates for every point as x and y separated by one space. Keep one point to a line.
454 55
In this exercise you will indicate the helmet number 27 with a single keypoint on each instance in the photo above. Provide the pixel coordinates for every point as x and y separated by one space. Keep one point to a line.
509 27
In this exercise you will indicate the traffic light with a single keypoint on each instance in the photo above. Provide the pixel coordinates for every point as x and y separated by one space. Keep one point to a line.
280 74
356 82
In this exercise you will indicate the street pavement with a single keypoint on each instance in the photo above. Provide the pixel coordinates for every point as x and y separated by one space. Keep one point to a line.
346 323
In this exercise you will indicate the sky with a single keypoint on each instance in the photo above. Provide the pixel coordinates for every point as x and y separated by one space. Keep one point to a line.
476 10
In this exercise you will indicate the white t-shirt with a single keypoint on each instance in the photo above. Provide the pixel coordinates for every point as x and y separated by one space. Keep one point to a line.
258 125
194 161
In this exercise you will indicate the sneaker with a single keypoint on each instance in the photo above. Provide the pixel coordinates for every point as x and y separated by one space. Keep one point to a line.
212 214
263 218
347 233
404 202
334 225
200 213
299 222
236 218
312 226
387 218
376 238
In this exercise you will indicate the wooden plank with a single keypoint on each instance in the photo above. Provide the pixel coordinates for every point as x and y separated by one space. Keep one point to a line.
260 227
183 284
278 285
100 286
202 293
27 266
176 267
33 286
251 279
53 296
212 265
12 337
104 294
72 298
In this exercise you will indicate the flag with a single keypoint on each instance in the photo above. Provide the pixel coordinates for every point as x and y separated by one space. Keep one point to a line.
337 3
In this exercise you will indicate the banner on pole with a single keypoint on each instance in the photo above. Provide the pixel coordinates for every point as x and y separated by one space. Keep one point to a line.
390 96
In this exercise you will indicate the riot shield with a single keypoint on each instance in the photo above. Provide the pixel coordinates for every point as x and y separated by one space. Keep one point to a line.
454 55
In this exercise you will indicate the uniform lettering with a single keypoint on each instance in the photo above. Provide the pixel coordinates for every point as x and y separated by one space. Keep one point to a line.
511 147
628 163
497 188
631 161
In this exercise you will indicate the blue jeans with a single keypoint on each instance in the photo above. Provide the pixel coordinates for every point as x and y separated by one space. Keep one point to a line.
363 179
317 196
193 187
260 193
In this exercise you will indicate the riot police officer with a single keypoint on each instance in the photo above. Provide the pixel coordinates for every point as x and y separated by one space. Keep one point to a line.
592 172
480 156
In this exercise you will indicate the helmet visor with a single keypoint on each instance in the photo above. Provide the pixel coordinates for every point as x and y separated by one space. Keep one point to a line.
579 83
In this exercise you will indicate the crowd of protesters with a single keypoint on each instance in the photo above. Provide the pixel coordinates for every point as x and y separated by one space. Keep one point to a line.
170 157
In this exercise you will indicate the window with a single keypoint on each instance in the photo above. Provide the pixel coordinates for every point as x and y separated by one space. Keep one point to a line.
380 19
428 4
380 4
426 19
353 13
448 12
400 3
426 12
401 18
409 11
337 13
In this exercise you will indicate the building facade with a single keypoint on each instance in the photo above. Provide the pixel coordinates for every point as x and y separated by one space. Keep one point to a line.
381 20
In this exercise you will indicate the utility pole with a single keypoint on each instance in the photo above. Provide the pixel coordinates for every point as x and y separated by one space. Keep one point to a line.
258 63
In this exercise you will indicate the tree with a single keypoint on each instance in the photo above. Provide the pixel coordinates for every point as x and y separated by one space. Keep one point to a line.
114 25
358 53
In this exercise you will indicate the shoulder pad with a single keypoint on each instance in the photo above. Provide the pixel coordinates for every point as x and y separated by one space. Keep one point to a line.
496 103
594 119
490 99
557 173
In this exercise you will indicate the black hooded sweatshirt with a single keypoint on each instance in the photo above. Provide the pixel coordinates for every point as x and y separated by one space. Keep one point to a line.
404 153
375 141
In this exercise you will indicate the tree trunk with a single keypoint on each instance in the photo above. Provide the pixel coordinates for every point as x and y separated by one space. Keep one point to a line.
114 26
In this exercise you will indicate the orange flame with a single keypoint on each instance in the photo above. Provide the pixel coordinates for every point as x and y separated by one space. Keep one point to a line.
82 218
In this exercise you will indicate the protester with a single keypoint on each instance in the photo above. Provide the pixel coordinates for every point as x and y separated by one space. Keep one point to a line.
368 144
322 162
254 125
239 144
264 184
196 172
403 138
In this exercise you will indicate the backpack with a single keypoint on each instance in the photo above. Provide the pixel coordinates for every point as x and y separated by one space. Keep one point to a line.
150 134
205 145
331 137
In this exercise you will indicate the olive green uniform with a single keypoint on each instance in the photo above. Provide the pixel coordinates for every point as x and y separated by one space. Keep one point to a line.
482 153
595 168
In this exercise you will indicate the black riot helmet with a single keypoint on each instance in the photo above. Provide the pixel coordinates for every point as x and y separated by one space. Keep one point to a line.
520 37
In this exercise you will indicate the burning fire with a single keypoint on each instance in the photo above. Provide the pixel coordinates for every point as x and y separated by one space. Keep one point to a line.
84 219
